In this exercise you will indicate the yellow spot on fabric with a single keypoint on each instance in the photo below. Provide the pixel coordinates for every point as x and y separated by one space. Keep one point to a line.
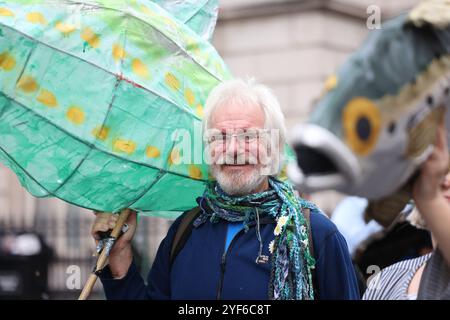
170 22
126 146
172 81
36 18
192 46
198 51
7 61
206 57
75 115
101 132
90 37
331 82
118 52
47 98
189 96
174 157
152 152
6 12
65 28
195 172
218 67
199 110
146 10
27 84
140 68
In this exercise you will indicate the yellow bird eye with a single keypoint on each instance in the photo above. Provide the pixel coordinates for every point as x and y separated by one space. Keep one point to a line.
361 122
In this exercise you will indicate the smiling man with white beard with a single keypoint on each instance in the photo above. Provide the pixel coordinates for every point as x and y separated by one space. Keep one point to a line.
251 236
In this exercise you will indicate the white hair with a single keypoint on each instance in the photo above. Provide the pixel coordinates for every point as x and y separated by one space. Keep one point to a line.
247 93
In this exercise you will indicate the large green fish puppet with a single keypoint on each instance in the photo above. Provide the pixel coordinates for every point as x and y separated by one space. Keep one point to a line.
376 121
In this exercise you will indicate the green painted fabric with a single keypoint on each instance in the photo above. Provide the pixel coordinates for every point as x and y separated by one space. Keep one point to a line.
199 15
92 94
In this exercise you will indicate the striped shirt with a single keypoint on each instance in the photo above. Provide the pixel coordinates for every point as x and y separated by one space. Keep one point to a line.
392 282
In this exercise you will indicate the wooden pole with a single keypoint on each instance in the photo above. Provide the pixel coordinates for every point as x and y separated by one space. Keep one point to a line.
103 257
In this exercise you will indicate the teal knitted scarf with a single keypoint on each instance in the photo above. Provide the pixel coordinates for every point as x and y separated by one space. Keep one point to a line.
292 262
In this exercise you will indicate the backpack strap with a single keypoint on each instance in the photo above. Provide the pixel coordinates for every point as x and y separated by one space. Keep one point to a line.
183 232
307 215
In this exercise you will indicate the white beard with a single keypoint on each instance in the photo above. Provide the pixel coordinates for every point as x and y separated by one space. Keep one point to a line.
236 183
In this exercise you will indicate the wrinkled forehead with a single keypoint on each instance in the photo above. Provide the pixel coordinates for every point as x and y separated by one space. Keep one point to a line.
235 115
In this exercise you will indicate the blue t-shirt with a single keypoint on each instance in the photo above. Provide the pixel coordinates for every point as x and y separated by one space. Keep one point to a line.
233 229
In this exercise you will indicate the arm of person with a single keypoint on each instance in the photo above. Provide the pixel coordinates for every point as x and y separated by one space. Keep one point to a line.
121 278
428 193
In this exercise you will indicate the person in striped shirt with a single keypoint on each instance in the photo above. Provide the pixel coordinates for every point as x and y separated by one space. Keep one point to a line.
431 193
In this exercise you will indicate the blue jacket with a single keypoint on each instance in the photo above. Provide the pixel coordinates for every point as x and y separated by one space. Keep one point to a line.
203 269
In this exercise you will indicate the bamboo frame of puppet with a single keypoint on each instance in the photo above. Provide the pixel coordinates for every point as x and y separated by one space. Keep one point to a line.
103 257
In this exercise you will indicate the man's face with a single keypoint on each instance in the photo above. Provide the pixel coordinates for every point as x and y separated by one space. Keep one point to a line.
238 148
